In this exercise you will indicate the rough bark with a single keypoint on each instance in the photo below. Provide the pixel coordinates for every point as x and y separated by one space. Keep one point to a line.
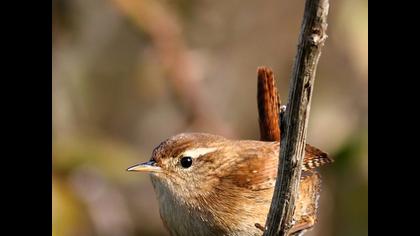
311 40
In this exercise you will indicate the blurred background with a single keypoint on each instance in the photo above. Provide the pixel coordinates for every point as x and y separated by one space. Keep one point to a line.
127 74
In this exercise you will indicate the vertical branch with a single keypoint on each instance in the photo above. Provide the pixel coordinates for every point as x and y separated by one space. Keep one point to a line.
268 105
311 40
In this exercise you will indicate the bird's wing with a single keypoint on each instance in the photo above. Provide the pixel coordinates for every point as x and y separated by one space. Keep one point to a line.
314 158
256 168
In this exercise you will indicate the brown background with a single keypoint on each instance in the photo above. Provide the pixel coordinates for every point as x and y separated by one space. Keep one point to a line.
129 73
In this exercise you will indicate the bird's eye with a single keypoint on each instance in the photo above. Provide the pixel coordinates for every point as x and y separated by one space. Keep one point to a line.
186 162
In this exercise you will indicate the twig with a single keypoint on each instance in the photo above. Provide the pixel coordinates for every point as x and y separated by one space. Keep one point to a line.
268 105
311 40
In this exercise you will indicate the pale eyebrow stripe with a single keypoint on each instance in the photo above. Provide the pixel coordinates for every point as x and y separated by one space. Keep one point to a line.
196 152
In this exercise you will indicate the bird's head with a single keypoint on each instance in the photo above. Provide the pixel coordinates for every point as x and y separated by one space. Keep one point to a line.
186 164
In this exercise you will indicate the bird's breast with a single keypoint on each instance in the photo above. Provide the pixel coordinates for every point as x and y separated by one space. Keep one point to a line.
218 213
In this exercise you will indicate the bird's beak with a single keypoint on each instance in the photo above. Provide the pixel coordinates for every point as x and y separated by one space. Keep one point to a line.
149 166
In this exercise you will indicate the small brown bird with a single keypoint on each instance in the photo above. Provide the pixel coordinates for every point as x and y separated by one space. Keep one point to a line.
208 185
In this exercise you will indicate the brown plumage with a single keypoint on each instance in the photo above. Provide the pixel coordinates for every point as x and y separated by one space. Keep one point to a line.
228 187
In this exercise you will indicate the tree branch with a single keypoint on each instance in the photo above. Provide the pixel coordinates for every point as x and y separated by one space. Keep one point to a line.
311 40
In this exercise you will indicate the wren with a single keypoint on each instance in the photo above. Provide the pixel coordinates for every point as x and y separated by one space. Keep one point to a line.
209 185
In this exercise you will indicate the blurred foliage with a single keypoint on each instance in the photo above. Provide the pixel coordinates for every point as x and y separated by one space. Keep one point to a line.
129 73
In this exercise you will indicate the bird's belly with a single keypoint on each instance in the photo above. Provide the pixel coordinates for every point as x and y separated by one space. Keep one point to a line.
182 222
